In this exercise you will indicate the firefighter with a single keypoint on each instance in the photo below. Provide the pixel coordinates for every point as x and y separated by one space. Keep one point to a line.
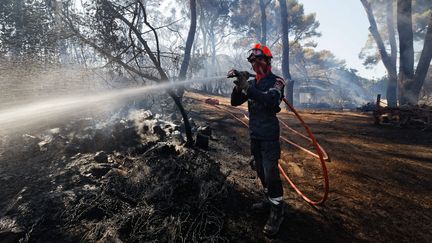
264 94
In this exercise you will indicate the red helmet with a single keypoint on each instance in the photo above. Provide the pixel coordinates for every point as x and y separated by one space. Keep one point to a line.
259 50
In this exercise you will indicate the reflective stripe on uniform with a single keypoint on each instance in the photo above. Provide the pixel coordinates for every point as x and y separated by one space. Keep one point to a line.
278 91
275 200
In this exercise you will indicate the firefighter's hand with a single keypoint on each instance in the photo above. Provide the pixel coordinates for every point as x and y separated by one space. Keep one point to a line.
241 81
232 73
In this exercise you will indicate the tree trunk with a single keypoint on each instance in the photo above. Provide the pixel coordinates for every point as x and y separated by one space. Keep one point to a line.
406 50
263 22
156 62
188 48
205 45
213 51
424 62
391 93
289 89
386 59
178 102
204 48
19 46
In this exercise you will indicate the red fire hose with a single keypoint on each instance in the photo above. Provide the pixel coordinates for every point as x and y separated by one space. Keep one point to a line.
320 152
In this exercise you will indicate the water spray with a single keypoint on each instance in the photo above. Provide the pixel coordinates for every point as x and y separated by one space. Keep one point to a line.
55 110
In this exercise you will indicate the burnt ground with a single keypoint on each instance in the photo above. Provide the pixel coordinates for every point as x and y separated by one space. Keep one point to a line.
146 187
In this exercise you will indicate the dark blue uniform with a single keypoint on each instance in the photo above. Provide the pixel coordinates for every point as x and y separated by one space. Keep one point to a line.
263 99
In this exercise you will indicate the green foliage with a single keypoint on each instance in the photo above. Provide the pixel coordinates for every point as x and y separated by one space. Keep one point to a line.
245 17
28 29
421 10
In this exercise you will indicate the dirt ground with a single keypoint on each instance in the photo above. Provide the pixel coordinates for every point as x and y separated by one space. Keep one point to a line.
380 178
380 187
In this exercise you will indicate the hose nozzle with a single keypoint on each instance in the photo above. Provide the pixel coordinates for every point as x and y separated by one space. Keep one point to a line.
234 74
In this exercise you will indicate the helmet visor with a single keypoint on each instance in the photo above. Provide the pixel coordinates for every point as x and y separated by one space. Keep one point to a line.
254 54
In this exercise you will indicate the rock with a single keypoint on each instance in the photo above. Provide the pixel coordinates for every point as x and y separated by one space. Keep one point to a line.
177 137
99 170
159 131
43 145
202 141
101 157
205 130
203 137
57 142
30 143
147 115
55 131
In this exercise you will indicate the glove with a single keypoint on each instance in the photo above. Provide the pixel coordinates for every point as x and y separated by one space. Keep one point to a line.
242 77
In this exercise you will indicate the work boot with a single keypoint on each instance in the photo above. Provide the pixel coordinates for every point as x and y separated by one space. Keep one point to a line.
275 219
262 205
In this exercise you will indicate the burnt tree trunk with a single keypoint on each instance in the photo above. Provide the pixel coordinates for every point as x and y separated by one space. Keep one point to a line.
157 63
262 6
212 36
19 29
289 89
203 30
386 59
391 92
188 48
424 62
406 50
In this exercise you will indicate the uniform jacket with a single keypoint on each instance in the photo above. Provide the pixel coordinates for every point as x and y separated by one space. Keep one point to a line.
263 99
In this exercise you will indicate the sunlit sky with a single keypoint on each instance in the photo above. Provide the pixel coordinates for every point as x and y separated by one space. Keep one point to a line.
344 28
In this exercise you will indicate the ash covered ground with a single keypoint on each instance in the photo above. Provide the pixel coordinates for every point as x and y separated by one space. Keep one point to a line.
130 179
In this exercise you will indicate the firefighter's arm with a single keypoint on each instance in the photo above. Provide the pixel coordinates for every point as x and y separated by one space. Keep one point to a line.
272 97
238 97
